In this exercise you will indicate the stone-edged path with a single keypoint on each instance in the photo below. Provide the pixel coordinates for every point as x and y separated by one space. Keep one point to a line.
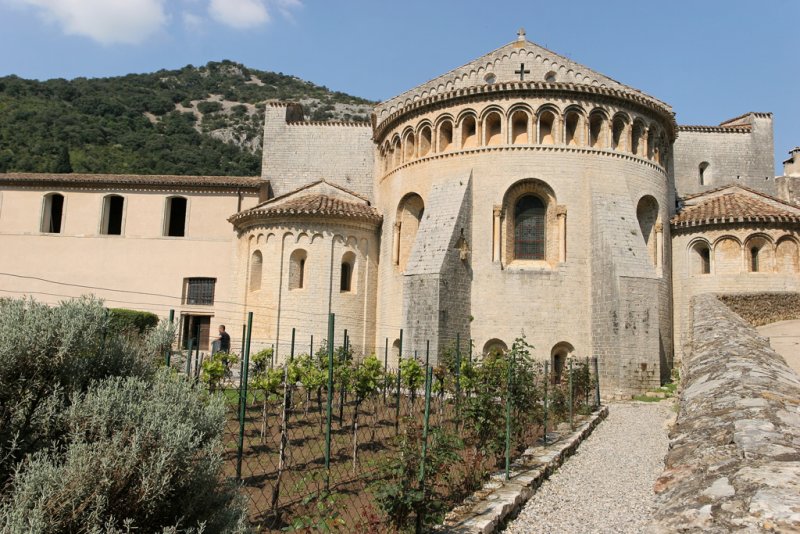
607 486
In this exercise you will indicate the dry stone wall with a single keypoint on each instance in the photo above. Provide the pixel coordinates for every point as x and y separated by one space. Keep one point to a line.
734 458
764 308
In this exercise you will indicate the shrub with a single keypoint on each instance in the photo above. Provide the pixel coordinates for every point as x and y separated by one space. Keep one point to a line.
141 455
46 353
209 106
216 368
132 320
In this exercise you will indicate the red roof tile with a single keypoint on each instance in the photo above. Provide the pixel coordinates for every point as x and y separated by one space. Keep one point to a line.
736 206
76 179
314 205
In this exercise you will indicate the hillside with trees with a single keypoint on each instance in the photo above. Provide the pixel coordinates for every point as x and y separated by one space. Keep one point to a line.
191 121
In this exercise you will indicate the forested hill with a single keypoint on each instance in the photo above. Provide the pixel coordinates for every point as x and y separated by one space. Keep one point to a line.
196 120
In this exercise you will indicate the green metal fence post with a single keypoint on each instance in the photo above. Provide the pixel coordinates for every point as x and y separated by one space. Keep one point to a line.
546 380
197 356
243 393
342 362
189 358
291 350
385 369
589 378
458 377
508 415
329 404
571 408
428 380
286 373
311 349
397 408
596 383
169 348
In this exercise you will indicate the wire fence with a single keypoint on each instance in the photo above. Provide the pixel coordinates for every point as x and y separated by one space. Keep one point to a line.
336 440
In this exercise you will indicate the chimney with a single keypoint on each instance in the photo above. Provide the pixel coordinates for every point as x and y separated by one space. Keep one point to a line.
791 167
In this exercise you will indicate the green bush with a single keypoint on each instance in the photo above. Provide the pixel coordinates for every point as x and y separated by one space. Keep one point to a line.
209 107
141 455
132 320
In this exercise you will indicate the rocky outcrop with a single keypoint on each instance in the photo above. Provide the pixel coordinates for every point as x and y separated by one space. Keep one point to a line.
734 460
764 308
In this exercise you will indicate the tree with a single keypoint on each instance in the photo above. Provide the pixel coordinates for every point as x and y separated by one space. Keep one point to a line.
63 164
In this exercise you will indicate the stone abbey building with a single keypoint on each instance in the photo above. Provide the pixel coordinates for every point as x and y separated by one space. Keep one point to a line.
521 193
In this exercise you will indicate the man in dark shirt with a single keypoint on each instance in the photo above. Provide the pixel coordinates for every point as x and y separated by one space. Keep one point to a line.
224 339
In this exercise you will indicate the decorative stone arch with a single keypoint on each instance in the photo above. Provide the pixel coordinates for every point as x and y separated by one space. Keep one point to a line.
547 124
519 124
407 220
759 253
424 138
787 255
444 133
256 270
409 144
388 156
298 269
492 126
620 132
494 345
467 129
574 120
538 240
727 255
598 129
699 257
396 352
638 137
397 150
649 218
559 355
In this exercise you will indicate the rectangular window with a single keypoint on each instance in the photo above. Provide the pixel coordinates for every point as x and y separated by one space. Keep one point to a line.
176 217
113 207
200 291
53 213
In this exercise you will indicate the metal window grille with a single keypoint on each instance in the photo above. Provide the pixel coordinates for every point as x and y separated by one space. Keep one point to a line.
200 291
529 228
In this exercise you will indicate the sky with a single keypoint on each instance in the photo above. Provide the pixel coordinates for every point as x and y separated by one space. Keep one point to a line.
709 59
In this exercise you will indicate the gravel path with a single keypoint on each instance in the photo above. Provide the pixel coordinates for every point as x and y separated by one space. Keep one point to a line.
607 486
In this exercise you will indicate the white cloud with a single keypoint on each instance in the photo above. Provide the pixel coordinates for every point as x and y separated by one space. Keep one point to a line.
239 14
105 21
192 22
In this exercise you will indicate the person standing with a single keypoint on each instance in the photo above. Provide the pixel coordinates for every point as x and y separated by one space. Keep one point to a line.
224 340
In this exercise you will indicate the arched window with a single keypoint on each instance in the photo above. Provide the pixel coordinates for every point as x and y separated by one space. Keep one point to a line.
571 122
492 127
495 346
617 134
759 255
704 173
519 128
647 215
409 215
558 360
596 131
424 141
113 208
546 124
529 228
297 269
256 269
754 259
52 213
175 217
346 275
637 134
700 260
469 132
410 147
397 148
445 136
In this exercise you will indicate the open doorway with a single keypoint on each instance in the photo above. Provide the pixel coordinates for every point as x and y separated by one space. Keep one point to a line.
197 328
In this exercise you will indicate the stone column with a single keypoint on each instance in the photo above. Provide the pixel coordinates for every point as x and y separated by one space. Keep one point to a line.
659 245
496 235
561 214
396 244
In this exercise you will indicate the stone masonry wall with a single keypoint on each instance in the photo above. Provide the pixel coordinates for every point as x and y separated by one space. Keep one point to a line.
733 463
764 308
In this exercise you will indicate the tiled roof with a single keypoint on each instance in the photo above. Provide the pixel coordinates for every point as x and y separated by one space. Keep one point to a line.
736 206
313 205
131 179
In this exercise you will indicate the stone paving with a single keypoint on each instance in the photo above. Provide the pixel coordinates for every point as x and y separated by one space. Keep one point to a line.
608 485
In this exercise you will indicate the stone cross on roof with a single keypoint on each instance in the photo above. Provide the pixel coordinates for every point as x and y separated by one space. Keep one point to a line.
521 34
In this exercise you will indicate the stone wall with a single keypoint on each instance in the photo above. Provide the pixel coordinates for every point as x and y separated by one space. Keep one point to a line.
741 153
733 463
764 308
